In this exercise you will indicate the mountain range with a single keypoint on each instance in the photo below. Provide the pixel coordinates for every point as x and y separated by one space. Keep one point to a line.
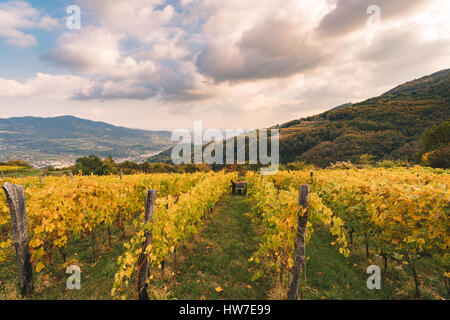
43 141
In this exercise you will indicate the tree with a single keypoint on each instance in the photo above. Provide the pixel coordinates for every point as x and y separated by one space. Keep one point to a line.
438 159
366 159
94 165
435 138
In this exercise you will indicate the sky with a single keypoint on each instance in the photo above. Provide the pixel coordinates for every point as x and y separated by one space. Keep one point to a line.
155 64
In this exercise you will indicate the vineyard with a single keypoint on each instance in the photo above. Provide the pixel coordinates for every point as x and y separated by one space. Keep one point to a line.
400 215
138 240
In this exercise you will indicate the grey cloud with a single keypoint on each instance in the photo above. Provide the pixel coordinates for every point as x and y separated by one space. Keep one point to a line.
67 60
351 15
401 55
110 90
171 83
401 44
274 48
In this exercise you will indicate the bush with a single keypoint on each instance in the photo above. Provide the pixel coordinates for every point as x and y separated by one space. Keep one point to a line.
386 164
437 137
16 163
439 158
296 166
94 165
342 165
366 159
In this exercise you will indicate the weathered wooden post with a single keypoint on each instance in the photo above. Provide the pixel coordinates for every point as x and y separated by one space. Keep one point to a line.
71 175
3 175
299 251
40 179
16 200
143 261
121 173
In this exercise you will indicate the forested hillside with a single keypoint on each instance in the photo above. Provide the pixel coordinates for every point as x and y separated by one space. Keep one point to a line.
387 127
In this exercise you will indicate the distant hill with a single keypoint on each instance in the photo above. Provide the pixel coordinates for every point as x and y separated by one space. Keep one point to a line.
40 140
387 127
163 157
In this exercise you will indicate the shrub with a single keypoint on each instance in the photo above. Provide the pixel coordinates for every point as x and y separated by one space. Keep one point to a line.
342 165
439 158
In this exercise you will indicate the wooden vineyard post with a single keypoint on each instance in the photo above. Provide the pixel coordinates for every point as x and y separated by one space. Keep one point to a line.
40 179
3 175
71 175
16 200
121 173
143 261
299 251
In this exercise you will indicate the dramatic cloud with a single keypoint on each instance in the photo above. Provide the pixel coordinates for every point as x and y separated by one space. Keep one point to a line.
258 56
145 80
160 65
352 15
16 16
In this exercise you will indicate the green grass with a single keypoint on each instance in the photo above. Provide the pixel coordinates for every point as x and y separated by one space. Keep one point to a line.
330 275
218 257
32 172
97 271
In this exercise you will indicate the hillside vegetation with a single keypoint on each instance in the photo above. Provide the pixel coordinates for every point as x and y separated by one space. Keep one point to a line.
388 127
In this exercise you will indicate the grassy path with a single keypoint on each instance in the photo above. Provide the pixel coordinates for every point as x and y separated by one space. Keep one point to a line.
217 257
